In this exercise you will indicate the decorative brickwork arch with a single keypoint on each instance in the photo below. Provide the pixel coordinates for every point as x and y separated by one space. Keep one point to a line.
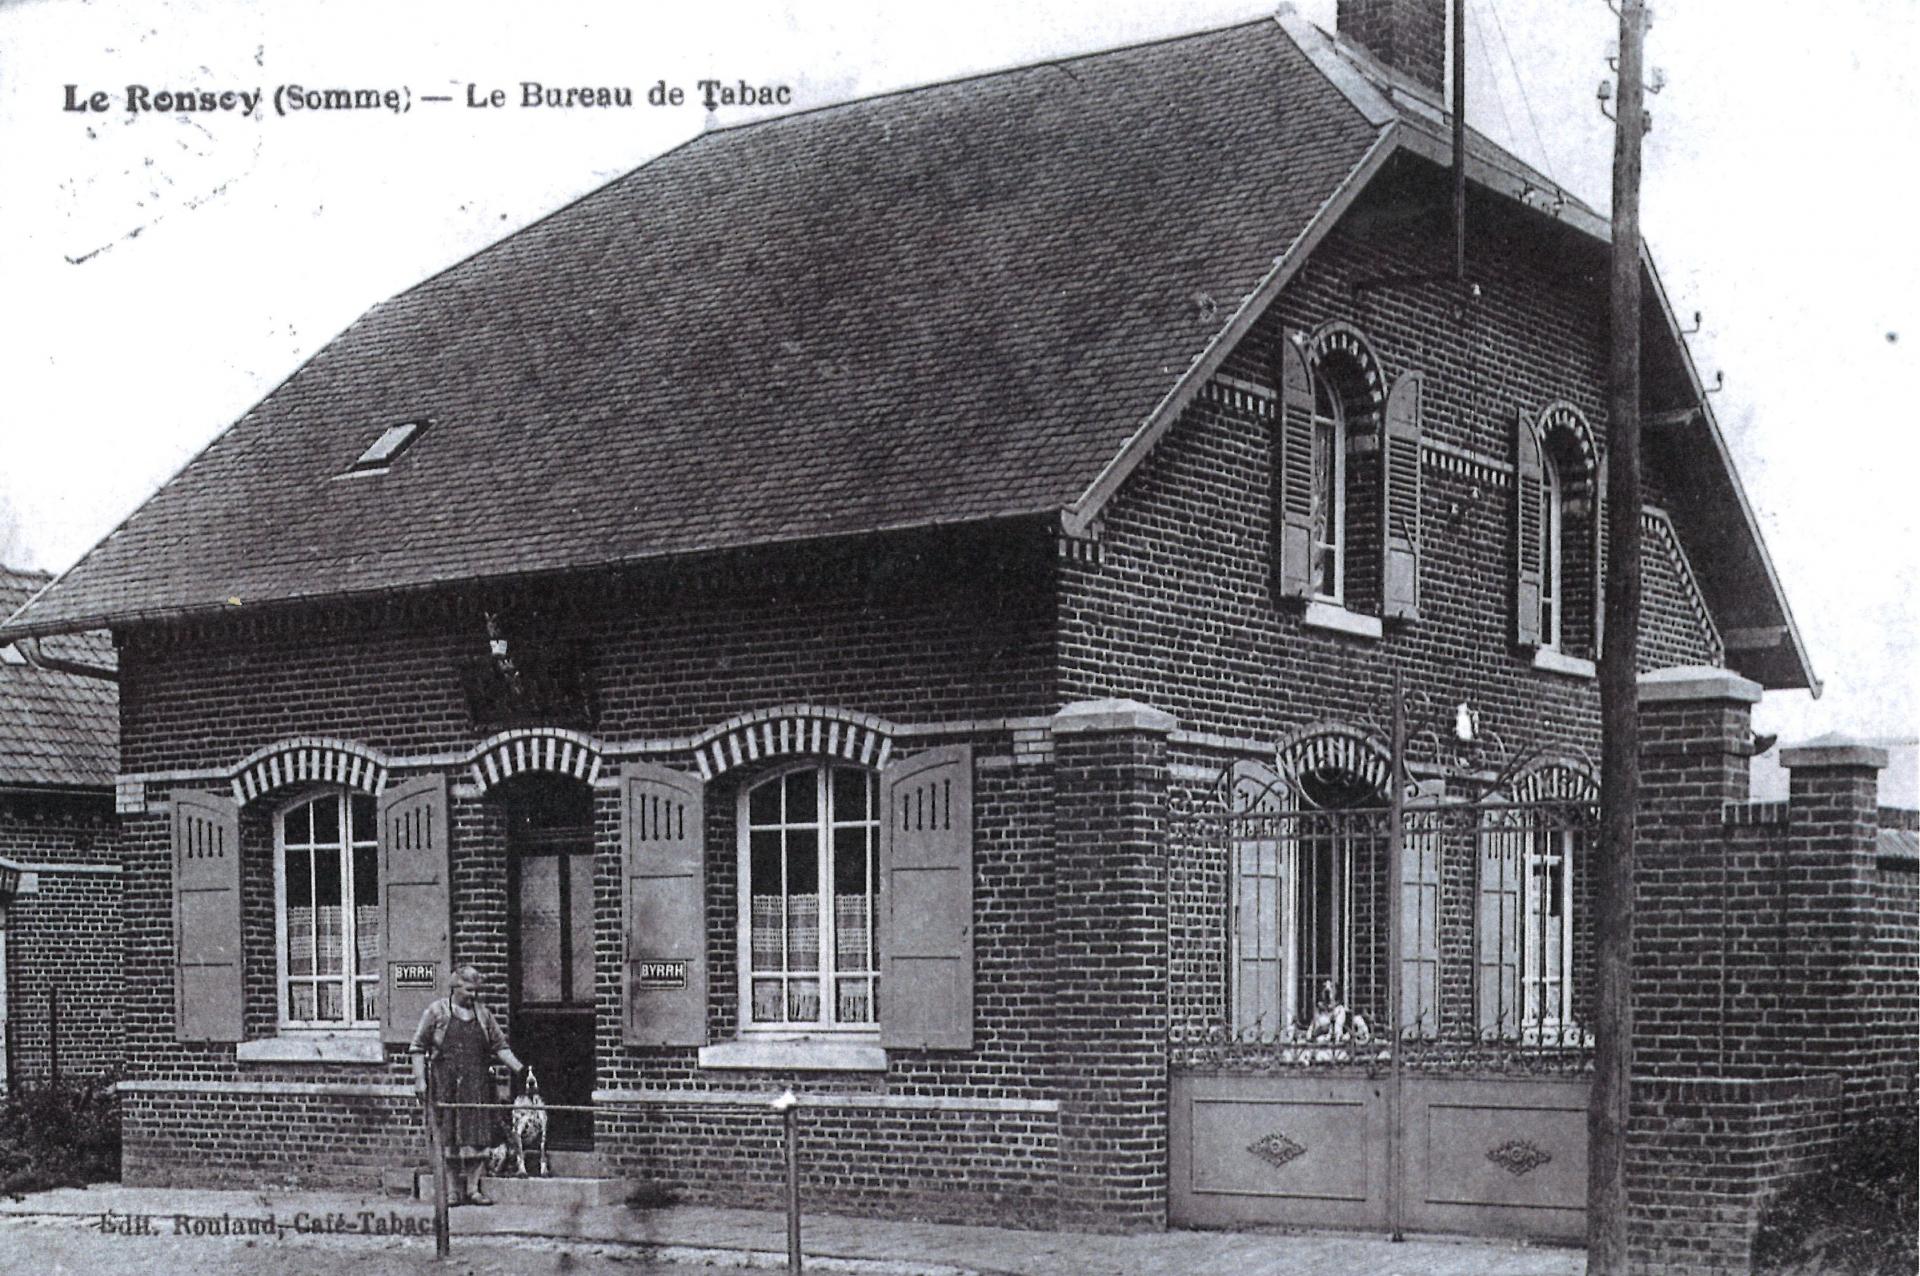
1341 352
793 730
1332 746
1556 779
1564 431
551 749
309 760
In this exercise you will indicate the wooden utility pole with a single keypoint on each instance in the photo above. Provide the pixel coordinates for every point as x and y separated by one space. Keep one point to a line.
1619 692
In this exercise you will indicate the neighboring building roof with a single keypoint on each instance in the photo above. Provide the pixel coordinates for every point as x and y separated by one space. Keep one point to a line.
57 730
978 300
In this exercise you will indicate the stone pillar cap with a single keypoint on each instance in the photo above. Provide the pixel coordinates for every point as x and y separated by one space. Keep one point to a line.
1696 682
1112 715
1833 750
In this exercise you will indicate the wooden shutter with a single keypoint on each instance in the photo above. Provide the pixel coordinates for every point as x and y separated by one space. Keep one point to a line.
1497 931
1400 501
1259 903
1420 917
206 917
663 848
1293 475
1599 559
926 876
414 879
1530 513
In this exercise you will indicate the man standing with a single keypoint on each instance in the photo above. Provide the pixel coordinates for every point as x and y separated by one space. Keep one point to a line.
462 1038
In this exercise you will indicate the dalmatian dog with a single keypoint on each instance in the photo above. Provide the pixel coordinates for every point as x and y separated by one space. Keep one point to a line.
526 1141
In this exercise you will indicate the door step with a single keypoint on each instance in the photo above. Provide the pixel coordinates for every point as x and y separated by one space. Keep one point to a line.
556 1191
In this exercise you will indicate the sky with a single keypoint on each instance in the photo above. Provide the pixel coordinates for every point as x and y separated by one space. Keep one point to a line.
163 272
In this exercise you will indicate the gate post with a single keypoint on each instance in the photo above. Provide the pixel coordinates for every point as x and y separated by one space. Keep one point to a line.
1110 941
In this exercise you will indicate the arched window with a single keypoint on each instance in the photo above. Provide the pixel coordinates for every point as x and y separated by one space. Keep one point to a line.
1559 539
809 849
327 912
1329 493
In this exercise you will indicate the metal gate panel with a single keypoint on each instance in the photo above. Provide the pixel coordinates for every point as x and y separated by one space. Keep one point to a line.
1503 1156
1287 1151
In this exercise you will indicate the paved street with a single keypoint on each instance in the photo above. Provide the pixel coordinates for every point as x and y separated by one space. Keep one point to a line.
225 1233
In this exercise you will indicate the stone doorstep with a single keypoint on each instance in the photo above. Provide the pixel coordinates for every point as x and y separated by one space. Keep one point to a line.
557 1192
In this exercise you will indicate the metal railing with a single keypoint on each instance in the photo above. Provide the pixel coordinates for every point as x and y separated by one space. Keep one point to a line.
786 1107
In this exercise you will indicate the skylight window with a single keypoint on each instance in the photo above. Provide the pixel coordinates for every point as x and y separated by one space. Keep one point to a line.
391 443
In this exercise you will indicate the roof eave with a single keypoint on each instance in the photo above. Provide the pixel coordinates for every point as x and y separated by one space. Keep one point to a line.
1704 403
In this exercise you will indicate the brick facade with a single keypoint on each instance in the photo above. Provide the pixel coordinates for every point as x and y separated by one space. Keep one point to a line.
63 936
1057 1111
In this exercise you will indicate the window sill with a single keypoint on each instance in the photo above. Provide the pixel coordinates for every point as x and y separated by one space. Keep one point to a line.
339 1047
811 1054
1325 615
1558 662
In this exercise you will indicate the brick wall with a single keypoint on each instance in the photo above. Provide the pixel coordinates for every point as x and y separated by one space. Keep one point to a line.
1776 977
63 936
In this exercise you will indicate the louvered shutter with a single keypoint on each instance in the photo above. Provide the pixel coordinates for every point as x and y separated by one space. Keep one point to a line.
1400 500
1293 475
1497 931
206 917
414 879
1599 559
926 874
1420 916
1258 904
663 848
1530 512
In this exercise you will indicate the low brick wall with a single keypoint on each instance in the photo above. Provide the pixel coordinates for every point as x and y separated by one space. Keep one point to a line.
1706 1155
301 1135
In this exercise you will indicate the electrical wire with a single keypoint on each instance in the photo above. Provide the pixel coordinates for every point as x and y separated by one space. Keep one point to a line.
1499 98
1546 156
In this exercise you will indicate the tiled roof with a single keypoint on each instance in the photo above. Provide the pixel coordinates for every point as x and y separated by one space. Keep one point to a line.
56 728
950 304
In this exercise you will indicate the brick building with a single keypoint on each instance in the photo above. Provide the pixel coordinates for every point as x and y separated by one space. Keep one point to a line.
59 854
790 616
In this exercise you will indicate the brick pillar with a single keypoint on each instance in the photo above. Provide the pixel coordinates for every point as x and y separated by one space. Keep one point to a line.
1832 834
1729 1102
1695 741
1110 952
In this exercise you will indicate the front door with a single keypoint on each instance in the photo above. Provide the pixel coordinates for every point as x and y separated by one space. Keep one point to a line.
550 947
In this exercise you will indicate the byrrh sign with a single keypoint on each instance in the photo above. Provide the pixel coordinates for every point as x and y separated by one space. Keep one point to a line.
660 974
414 974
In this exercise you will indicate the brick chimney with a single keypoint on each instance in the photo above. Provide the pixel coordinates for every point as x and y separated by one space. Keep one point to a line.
1408 35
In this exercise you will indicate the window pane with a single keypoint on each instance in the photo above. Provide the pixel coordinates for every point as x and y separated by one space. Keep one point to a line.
854 1001
299 879
802 797
763 804
300 940
850 860
850 789
540 928
852 932
363 818
326 820
764 864
300 1001
767 998
803 932
366 876
297 825
329 937
369 1007
333 1006
803 1001
769 932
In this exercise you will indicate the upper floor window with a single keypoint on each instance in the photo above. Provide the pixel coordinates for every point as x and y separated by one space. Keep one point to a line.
809 848
327 912
1346 482
1329 493
1560 536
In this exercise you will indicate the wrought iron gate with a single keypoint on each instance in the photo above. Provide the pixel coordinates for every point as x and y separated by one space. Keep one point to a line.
1304 923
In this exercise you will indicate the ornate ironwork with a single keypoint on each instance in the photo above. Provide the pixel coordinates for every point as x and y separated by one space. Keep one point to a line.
1517 1157
1276 1149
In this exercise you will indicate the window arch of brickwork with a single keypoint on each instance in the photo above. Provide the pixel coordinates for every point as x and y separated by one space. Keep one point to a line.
1560 532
